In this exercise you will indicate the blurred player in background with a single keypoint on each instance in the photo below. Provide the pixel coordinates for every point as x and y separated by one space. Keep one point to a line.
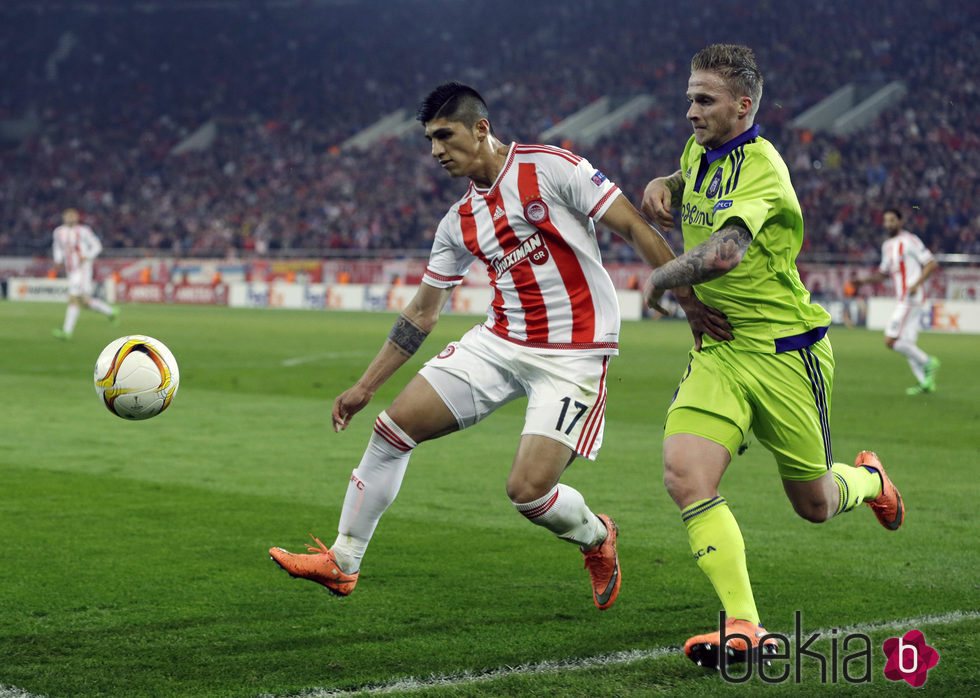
908 262
552 326
743 229
75 248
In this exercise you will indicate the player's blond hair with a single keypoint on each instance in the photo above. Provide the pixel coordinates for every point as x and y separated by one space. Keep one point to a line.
736 65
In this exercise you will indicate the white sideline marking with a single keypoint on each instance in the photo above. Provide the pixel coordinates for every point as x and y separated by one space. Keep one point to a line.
297 360
615 658
14 692
612 659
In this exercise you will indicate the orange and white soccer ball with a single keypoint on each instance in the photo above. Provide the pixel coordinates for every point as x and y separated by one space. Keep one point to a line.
136 377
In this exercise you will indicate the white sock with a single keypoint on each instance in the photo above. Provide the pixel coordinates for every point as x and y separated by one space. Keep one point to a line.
563 512
372 488
917 358
100 306
71 318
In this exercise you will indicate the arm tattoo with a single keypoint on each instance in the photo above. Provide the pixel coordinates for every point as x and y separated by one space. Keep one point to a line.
714 257
675 185
406 336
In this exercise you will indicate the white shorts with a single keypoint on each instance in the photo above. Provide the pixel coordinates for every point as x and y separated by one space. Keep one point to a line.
904 322
80 280
566 394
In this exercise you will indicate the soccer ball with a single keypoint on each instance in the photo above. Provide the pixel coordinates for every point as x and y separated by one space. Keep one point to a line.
136 377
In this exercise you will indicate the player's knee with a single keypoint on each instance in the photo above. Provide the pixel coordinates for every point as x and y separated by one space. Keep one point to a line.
814 510
521 490
678 483
519 494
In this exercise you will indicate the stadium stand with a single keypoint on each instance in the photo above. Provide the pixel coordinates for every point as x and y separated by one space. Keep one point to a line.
97 95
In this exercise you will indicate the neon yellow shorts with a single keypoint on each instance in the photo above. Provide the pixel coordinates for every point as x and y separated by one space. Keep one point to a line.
783 398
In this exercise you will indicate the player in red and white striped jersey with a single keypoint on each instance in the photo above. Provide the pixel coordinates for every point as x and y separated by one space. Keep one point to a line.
533 229
75 247
529 216
908 262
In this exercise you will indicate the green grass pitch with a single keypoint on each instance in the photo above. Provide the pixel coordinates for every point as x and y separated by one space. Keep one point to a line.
133 557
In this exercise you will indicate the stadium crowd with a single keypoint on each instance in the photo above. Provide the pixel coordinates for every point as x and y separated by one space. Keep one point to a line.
110 91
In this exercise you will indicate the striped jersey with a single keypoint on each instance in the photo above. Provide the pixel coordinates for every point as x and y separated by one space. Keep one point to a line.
902 257
74 243
764 298
534 231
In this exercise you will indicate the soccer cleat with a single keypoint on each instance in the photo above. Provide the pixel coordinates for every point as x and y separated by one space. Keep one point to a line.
887 506
931 368
319 566
114 317
61 334
602 562
920 389
703 650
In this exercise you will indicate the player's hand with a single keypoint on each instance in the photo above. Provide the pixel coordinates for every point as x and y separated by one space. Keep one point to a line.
652 296
703 319
656 203
347 404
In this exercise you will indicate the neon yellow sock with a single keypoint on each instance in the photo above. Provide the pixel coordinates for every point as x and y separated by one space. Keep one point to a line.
857 485
719 550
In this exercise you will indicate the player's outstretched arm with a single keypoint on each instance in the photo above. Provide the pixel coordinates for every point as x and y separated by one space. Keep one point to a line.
875 278
624 220
927 271
406 336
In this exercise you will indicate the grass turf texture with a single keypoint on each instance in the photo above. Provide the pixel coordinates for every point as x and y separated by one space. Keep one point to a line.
134 553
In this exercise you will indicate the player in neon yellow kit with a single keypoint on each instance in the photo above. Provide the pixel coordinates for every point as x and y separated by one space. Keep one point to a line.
743 229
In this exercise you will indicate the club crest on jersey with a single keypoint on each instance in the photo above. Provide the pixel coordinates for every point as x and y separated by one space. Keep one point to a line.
536 211
598 178
533 249
715 184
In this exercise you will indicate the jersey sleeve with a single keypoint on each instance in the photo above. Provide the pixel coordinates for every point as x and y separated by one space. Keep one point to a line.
919 250
91 245
588 190
449 260
57 249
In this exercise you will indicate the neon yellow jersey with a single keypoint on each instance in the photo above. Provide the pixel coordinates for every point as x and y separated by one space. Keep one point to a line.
766 303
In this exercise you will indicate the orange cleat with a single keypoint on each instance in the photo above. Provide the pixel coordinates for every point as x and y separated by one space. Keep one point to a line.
602 562
703 649
887 506
319 566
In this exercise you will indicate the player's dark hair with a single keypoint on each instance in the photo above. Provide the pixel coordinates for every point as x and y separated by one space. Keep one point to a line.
454 101
736 66
898 214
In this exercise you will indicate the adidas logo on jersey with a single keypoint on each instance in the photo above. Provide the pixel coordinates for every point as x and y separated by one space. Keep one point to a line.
498 213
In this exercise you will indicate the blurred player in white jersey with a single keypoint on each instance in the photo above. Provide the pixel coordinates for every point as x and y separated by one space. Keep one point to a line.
76 247
908 262
528 215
